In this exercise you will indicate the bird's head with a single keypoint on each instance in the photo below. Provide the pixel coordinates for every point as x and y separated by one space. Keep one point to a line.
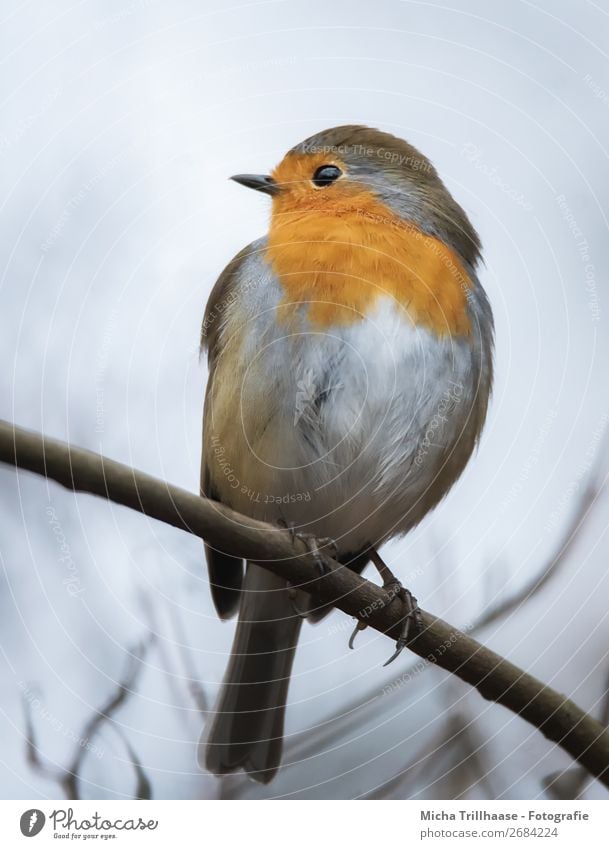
356 170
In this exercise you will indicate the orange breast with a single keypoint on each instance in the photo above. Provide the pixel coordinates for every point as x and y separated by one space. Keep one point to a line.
341 259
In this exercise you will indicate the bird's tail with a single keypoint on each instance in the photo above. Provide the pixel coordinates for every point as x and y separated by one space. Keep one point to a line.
247 724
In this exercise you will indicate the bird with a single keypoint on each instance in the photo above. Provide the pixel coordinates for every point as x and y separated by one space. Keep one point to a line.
350 355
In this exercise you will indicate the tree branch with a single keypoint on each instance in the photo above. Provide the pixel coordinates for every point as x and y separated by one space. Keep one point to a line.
495 678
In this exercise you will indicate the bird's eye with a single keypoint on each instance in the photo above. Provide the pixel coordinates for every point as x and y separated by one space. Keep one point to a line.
325 175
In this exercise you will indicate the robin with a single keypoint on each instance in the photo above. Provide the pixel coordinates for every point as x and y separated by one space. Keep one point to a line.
350 367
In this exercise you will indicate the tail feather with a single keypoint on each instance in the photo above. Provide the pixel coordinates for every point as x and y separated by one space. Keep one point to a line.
247 724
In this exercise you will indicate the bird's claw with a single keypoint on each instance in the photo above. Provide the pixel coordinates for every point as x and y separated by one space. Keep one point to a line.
358 627
412 616
314 544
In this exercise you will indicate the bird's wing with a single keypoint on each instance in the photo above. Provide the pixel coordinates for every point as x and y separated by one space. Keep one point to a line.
225 572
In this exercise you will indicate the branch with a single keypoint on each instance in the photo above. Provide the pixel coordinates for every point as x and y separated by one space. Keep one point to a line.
495 678
572 783
68 777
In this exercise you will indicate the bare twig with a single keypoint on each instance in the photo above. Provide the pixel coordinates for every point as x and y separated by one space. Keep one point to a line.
68 777
105 713
32 752
580 517
189 677
495 678
456 741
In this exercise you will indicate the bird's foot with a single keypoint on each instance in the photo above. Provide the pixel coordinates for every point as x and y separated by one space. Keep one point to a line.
314 545
412 621
412 617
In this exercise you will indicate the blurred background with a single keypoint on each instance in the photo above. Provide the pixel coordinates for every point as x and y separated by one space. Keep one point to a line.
120 123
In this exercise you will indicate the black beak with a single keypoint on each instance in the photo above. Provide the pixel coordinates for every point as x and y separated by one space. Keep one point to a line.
260 182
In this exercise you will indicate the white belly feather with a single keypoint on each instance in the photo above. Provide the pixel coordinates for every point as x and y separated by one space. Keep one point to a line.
350 433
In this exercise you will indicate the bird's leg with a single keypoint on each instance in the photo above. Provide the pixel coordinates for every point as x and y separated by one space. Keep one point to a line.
313 544
412 612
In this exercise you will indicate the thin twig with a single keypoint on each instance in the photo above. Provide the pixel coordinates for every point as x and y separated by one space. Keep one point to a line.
69 776
104 714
